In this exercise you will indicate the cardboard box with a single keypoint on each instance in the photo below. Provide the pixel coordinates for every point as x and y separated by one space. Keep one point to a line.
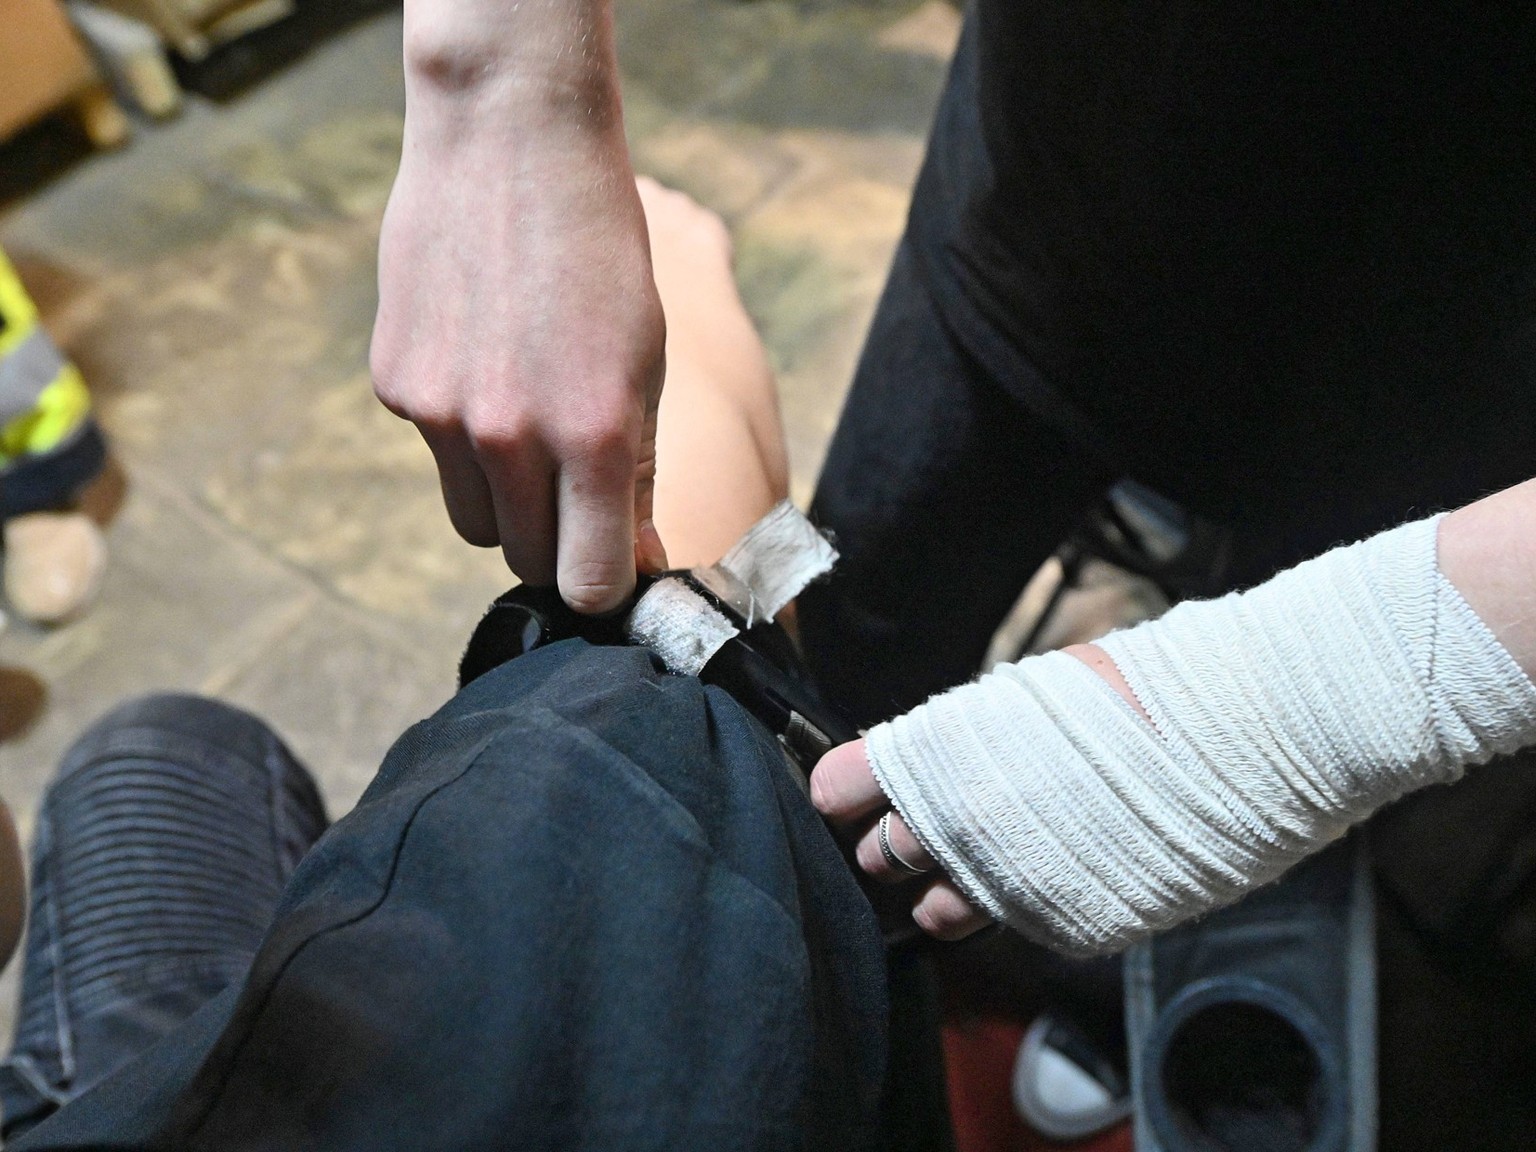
42 65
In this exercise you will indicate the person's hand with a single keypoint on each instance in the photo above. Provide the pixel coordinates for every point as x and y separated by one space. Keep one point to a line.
519 327
844 790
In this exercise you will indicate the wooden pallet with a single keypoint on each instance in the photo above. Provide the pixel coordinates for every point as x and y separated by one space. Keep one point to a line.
196 27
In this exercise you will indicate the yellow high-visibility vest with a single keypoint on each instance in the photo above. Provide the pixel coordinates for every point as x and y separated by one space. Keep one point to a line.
43 398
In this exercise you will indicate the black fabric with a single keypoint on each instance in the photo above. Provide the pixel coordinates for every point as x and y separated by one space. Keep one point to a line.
1273 252
583 906
1277 267
944 496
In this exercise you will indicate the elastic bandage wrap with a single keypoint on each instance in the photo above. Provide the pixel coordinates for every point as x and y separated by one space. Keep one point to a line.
1280 717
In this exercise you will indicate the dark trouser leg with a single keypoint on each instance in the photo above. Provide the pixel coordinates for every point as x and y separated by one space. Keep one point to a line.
159 856
944 485
945 495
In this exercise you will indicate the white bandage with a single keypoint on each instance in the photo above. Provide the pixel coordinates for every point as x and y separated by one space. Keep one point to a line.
1282 716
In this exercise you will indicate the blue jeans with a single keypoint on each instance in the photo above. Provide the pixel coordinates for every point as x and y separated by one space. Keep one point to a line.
585 905
160 852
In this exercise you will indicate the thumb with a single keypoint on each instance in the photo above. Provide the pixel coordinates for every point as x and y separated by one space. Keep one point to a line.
596 535
843 789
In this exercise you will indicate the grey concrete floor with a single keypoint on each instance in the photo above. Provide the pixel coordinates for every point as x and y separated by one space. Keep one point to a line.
277 538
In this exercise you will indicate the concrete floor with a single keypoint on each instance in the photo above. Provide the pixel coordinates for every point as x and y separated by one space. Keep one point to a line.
277 537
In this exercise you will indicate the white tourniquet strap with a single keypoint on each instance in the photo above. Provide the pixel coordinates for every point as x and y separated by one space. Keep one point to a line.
766 569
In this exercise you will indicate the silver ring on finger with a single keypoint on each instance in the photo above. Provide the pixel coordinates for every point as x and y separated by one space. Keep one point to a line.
883 835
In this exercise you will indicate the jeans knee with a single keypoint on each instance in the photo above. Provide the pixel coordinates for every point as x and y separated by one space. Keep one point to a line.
171 726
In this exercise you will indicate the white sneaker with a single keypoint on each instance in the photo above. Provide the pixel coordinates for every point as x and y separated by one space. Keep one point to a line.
1062 1086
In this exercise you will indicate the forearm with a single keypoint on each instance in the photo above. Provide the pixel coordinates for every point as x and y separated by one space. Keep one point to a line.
514 100
1487 550
518 326
524 66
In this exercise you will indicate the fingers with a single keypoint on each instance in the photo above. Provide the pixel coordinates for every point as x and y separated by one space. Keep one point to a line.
650 553
604 529
522 486
499 496
844 790
902 843
943 913
578 529
466 494
842 786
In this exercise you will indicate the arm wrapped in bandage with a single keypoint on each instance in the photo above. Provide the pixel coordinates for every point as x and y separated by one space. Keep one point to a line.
1279 718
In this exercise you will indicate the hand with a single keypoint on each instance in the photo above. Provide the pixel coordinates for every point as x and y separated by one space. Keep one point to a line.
520 330
844 790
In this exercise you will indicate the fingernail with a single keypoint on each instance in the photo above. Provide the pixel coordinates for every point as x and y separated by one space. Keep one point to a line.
649 552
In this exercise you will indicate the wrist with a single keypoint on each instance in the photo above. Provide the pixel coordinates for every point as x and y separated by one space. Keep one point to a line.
532 69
